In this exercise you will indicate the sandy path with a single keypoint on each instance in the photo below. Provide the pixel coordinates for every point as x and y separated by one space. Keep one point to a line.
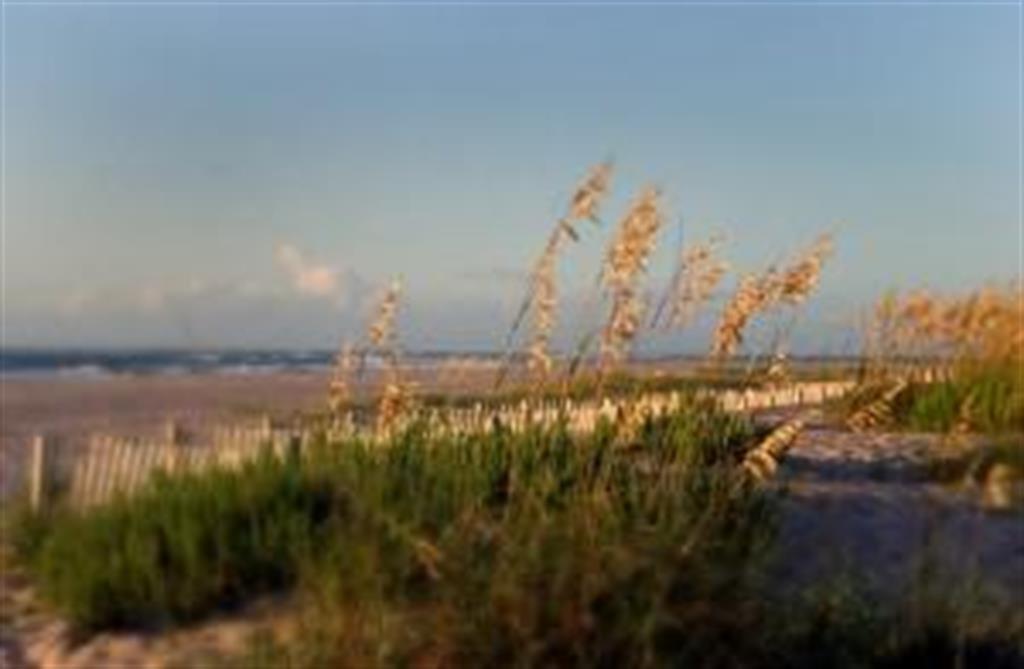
864 503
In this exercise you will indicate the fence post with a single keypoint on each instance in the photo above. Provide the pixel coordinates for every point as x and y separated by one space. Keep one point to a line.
175 459
172 433
40 468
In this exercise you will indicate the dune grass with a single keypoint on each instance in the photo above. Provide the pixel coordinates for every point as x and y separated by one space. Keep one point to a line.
398 520
979 398
185 546
976 336
535 549
987 399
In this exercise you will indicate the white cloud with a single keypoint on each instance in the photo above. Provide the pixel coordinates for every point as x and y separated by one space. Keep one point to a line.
307 277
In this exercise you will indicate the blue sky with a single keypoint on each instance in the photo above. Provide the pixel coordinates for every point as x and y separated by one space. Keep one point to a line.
159 158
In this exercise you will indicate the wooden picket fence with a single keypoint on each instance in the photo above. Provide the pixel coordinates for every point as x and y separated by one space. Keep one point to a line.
113 466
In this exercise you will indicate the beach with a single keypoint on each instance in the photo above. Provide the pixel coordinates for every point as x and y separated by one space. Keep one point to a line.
68 410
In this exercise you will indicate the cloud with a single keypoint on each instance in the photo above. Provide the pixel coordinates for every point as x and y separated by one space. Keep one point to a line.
306 276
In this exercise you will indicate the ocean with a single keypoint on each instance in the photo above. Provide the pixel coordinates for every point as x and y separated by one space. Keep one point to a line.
100 363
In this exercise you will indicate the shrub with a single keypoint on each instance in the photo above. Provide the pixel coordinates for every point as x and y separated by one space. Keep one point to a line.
542 549
984 398
183 547
443 522
988 399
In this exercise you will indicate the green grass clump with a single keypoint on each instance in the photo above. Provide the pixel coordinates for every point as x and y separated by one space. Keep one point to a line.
469 528
183 547
989 399
540 549
981 398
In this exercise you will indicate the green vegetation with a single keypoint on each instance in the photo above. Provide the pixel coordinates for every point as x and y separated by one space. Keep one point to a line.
584 387
405 522
987 399
685 613
979 398
183 547
623 548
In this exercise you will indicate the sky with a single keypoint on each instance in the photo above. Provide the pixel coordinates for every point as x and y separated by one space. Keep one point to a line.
253 175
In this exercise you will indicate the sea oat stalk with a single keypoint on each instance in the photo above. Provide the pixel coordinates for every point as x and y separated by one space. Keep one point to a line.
395 398
541 300
984 324
698 274
545 304
756 294
799 280
339 391
382 330
626 259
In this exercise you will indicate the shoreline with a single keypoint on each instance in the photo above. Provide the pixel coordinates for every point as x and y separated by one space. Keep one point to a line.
70 409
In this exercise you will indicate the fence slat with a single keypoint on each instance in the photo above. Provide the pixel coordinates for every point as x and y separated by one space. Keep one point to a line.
92 472
112 464
104 455
148 460
118 468
39 483
128 468
79 474
143 465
